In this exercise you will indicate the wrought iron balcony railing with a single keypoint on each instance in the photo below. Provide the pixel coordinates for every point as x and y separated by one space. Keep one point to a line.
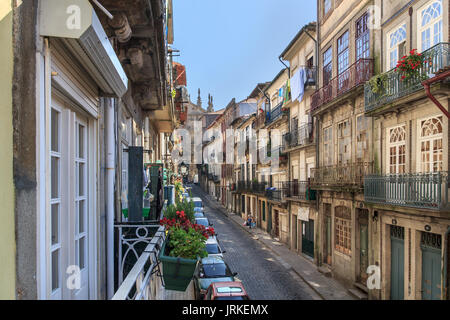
300 190
275 114
418 190
311 76
259 187
392 87
275 195
142 276
341 175
356 75
302 136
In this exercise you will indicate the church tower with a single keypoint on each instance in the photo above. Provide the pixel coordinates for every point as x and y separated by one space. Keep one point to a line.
210 104
199 99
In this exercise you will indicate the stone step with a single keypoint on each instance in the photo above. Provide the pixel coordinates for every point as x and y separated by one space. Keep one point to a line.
358 294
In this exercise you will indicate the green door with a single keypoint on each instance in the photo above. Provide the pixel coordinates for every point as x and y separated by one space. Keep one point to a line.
397 263
308 238
431 266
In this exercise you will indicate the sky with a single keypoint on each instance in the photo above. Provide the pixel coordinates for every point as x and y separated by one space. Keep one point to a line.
229 46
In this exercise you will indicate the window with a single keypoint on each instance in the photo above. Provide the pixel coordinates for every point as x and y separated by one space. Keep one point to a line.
55 199
431 142
343 230
326 6
328 146
344 142
396 46
343 61
397 150
327 66
362 38
430 25
361 137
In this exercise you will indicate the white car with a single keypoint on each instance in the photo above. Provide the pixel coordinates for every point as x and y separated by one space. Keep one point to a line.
213 248
198 203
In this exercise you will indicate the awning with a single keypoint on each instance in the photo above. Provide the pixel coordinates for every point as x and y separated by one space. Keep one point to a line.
77 23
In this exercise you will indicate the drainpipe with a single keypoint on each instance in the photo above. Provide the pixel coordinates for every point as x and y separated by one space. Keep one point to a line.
427 85
109 197
446 295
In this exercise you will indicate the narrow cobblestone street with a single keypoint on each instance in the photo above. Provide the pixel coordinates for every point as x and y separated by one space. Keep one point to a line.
263 275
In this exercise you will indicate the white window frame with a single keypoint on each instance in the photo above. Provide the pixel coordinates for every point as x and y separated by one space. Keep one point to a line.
429 26
390 64
397 145
432 139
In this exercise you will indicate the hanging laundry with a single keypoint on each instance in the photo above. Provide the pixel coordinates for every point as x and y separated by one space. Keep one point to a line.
298 84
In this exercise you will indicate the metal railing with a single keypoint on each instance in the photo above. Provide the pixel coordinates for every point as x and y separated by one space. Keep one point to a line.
302 136
355 75
341 175
275 114
276 193
259 187
142 282
392 87
418 190
300 190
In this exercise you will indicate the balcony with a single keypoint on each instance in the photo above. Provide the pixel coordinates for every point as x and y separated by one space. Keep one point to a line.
351 175
275 114
216 178
299 190
393 88
259 187
311 76
424 191
357 74
301 137
276 194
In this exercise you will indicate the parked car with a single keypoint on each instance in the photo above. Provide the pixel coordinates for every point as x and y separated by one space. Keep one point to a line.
203 221
199 215
198 209
226 291
211 269
198 203
213 248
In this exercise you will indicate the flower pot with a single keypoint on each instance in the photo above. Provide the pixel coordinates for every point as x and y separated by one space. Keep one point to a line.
177 272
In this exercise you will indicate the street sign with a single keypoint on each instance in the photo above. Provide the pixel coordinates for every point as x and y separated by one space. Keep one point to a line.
65 18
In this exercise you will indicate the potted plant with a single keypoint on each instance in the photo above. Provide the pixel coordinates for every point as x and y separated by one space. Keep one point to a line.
411 66
377 83
181 251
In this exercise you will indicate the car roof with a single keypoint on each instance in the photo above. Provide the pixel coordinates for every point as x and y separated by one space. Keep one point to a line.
213 260
196 199
202 218
230 288
211 241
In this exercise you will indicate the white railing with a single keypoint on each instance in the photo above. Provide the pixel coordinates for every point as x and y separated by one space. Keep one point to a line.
144 280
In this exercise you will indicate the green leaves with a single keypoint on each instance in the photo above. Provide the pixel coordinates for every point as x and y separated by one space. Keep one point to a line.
187 244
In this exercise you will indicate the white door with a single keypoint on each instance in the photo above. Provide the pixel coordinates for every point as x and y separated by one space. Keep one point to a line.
68 271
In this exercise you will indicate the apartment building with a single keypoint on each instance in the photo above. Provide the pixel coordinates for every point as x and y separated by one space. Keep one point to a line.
82 97
408 191
345 64
300 141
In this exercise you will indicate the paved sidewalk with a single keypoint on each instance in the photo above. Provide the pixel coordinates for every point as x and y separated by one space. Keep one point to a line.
327 288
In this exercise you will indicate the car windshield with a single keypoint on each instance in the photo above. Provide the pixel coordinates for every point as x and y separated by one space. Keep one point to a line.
198 209
203 222
198 215
231 298
212 248
216 270
198 204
